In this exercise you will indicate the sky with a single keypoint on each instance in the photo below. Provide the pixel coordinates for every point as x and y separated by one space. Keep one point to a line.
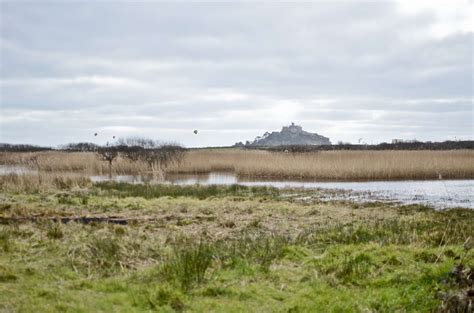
344 69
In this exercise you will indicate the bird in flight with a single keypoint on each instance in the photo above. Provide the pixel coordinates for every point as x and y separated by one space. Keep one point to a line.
195 131
95 134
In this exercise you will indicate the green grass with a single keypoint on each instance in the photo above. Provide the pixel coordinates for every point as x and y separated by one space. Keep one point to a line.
436 229
228 249
188 263
195 191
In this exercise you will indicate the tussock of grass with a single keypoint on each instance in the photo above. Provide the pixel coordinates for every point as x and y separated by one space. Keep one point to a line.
188 263
54 230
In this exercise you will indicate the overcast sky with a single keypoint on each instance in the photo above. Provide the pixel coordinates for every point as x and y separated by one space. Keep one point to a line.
346 70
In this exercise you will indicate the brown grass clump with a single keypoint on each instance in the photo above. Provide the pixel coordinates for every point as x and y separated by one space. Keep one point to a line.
333 165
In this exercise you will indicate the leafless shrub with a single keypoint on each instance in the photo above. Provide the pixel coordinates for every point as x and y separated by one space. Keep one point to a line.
144 143
157 155
80 147
108 154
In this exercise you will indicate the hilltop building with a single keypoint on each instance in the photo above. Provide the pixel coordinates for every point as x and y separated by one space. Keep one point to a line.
289 135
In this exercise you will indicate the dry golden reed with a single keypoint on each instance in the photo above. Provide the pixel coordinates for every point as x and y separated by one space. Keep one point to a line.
324 165
333 165
86 163
41 181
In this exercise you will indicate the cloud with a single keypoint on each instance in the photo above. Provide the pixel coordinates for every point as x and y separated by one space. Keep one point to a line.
343 69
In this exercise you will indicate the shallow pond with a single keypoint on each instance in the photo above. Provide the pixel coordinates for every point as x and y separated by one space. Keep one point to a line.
436 193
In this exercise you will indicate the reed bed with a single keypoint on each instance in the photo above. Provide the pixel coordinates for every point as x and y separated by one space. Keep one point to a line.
86 163
333 165
324 165
43 182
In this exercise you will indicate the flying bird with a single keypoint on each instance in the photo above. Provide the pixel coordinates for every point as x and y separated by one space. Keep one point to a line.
195 131
95 134
113 137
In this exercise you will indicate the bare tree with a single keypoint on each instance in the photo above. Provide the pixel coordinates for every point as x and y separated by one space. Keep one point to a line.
158 159
157 155
170 154
80 147
108 154
144 143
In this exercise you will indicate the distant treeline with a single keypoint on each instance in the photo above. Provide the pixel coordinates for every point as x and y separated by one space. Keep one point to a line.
446 145
120 146
73 147
6 147
128 147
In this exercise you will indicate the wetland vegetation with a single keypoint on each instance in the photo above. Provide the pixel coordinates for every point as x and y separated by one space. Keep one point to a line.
230 248
316 165
222 248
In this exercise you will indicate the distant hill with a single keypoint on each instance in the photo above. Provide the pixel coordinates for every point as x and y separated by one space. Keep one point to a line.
289 135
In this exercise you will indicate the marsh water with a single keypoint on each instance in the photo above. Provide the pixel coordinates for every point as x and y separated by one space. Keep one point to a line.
435 193
10 169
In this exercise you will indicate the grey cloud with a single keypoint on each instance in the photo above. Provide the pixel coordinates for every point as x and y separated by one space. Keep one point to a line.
343 69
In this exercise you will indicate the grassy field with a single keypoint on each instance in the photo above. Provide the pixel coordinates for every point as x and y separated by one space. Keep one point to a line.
73 246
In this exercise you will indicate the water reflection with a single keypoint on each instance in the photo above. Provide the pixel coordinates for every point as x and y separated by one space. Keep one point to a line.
436 193
131 179
216 178
12 169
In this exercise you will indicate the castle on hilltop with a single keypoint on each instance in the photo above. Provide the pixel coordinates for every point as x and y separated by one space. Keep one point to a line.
289 135
292 128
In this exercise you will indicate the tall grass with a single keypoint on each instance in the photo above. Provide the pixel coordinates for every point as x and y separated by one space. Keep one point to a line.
324 165
34 183
432 230
77 162
333 165
188 263
192 259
